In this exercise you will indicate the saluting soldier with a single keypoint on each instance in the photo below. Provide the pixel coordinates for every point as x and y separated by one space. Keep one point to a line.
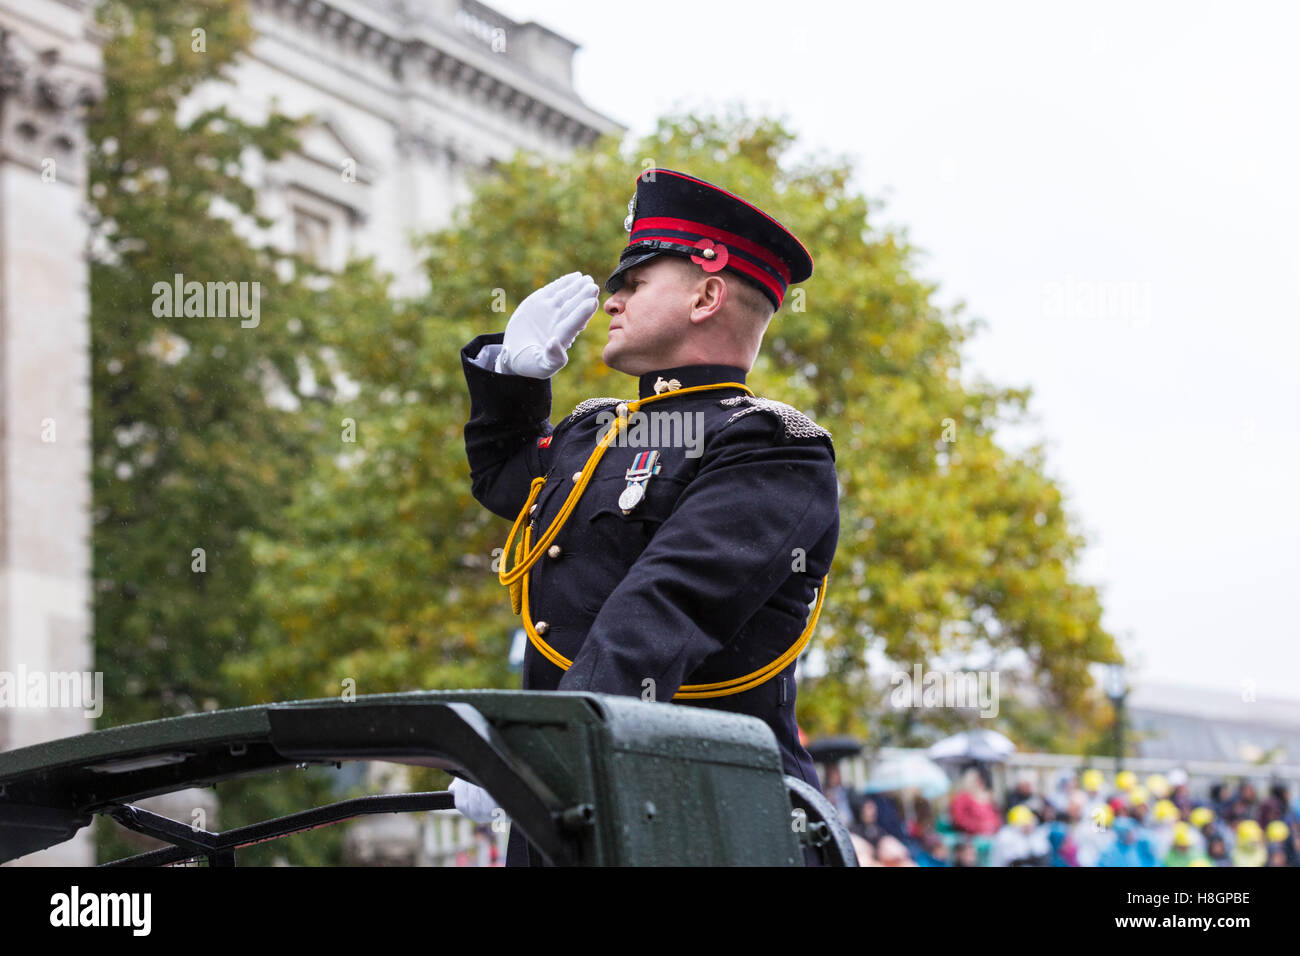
668 546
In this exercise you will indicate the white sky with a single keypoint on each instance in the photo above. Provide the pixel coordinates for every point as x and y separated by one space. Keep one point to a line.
1112 187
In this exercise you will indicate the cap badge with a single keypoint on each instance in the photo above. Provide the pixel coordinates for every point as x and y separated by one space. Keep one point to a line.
631 214
713 255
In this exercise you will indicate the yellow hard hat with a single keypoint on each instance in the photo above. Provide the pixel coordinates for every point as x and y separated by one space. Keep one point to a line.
1092 780
1248 831
1182 834
1277 831
1020 815
1166 811
1126 780
1138 796
1158 785
1200 816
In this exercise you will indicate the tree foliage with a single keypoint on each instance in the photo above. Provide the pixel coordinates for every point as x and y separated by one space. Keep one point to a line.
187 448
198 430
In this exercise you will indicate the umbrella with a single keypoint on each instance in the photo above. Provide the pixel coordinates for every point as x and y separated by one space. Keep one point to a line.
908 771
986 745
834 749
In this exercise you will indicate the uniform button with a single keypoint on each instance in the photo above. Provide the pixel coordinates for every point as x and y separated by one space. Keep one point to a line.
541 627
577 476
553 551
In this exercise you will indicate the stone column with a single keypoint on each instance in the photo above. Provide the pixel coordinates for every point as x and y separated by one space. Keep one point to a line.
50 69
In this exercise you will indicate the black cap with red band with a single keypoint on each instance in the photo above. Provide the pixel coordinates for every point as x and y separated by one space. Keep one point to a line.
675 214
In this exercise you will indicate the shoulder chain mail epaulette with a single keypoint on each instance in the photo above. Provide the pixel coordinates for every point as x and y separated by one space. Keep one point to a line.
588 404
795 422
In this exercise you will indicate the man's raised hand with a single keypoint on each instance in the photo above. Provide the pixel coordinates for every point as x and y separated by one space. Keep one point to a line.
540 331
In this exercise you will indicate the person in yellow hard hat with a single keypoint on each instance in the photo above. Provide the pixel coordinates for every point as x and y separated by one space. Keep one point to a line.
1092 781
1184 850
1138 809
1200 817
1164 815
1021 842
1158 786
1250 849
1090 835
1104 816
1126 780
1281 849
1093 833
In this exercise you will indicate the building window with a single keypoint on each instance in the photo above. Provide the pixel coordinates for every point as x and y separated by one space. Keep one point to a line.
311 237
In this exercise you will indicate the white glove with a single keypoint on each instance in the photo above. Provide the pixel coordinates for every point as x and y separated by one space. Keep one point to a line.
474 802
540 331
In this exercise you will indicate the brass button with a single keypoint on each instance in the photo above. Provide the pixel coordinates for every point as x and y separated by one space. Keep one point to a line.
541 627
553 551
577 476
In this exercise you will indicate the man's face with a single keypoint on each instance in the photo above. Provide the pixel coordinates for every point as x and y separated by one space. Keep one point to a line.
649 315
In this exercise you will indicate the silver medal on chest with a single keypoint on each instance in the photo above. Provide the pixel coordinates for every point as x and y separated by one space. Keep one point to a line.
631 497
644 467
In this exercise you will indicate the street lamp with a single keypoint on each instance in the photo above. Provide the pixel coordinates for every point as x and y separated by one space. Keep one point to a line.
1117 690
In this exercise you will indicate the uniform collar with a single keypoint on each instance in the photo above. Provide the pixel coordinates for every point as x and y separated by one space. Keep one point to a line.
688 375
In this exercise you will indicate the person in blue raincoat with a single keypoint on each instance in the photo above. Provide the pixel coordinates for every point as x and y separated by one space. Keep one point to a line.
1128 849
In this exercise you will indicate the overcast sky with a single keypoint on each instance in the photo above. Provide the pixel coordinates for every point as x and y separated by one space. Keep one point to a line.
1113 189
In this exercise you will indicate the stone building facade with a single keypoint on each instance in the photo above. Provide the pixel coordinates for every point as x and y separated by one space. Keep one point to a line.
410 99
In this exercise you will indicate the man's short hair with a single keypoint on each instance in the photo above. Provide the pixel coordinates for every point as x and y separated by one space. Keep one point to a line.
752 297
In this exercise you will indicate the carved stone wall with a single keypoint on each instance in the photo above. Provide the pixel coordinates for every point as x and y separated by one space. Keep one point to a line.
49 71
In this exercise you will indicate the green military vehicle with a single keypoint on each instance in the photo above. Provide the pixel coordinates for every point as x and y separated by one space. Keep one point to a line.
590 779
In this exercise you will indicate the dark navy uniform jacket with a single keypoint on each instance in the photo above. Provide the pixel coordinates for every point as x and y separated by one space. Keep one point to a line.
709 577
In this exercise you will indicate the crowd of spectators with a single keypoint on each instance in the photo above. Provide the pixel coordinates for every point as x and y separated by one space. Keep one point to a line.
1081 820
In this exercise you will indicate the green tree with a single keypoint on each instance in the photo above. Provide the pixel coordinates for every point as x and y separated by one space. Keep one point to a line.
187 447
192 449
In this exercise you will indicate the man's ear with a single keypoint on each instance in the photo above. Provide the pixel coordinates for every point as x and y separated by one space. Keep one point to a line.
709 298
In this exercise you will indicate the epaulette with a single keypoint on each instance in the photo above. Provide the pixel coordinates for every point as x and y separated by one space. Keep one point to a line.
588 404
795 423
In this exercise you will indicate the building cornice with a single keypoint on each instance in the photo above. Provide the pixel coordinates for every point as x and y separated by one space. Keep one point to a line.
43 98
417 50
